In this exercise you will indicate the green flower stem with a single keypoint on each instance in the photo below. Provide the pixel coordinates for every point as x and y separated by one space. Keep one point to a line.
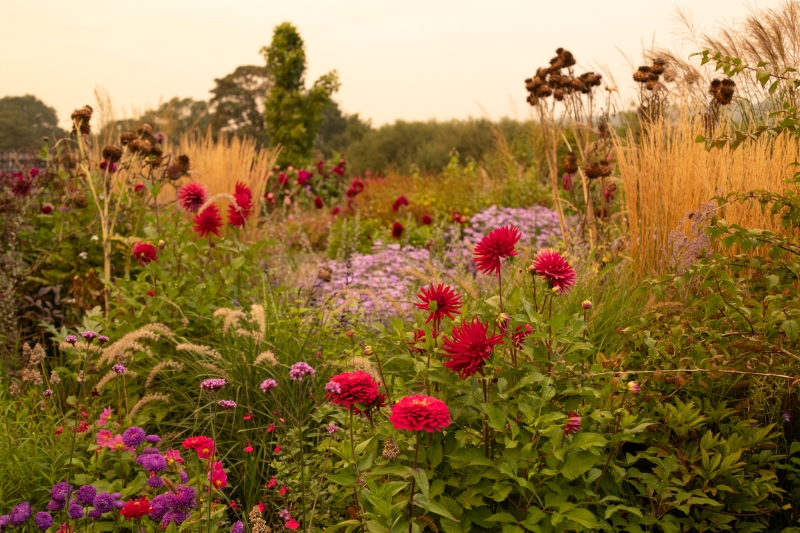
411 495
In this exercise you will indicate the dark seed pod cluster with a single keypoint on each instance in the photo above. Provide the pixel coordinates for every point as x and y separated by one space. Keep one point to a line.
552 81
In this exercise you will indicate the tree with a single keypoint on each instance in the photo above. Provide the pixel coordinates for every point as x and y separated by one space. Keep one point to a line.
337 131
238 102
175 118
293 113
24 120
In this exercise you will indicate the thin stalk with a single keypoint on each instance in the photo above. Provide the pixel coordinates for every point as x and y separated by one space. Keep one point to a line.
302 457
355 463
411 496
485 419
383 379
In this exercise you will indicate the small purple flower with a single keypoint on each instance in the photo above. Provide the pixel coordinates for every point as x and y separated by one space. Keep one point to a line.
333 388
155 482
103 502
119 369
43 520
268 385
332 428
185 499
285 515
53 505
159 506
94 514
133 436
89 336
60 492
213 384
71 339
154 462
300 370
47 393
227 404
184 476
786 417
20 514
75 511
152 439
237 527
4 520
102 339
86 495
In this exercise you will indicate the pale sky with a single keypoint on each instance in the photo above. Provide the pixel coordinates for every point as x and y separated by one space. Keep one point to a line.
410 59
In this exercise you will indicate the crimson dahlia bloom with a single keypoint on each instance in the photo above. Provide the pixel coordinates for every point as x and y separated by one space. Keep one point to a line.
208 221
447 303
144 253
349 388
401 201
397 230
192 196
427 220
495 246
239 213
318 203
573 424
469 347
420 413
555 269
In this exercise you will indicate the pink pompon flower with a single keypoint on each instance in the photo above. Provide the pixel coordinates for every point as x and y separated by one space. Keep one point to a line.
573 424
633 387
283 490
268 384
349 388
248 448
498 244
173 457
192 196
271 428
104 416
555 269
227 404
420 413
300 370
214 384
103 438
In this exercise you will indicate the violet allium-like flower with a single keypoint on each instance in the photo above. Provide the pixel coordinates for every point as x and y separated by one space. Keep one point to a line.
227 404
54 506
573 424
119 369
89 336
85 495
237 527
214 384
133 436
60 492
555 269
20 514
104 502
4 520
71 339
75 511
633 387
152 439
43 520
300 370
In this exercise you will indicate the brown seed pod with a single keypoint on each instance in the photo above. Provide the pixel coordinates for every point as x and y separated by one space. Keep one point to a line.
577 85
558 95
390 449
542 73
126 137
79 199
80 120
652 76
658 66
590 79
174 171
593 170
183 161
112 153
571 163
651 84
640 76
544 91
531 99
324 274
145 130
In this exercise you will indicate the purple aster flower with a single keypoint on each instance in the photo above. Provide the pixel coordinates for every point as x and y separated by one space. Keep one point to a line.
155 482
60 492
89 336
237 527
178 517
213 384
54 506
103 502
300 370
119 369
268 385
94 514
185 499
71 339
43 520
154 463
152 439
75 511
133 437
227 404
20 514
4 520
102 339
86 495
184 476
159 506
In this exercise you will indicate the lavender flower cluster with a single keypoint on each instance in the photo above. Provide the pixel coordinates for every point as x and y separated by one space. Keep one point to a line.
538 224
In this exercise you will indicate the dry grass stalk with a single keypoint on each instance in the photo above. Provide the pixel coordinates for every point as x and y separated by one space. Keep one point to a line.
160 367
231 317
148 398
669 175
199 349
267 357
215 369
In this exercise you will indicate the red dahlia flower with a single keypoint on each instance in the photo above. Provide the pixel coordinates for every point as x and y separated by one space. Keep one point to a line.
357 185
446 301
397 230
239 213
192 196
303 176
427 220
144 252
401 200
573 424
136 508
349 388
318 203
495 246
420 413
469 347
419 337
208 221
335 210
555 269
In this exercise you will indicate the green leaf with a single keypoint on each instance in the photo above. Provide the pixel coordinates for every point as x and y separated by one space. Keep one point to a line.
470 456
433 507
791 328
587 440
584 518
348 480
577 463
502 517
422 481
497 420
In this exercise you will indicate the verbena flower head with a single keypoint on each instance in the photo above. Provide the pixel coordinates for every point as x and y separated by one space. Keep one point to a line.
208 221
300 370
268 384
441 300
20 514
239 212
573 424
144 253
498 244
227 404
469 347
332 428
43 520
214 384
354 387
133 436
420 413
136 508
71 339
192 196
119 369
332 387
47 393
102 339
89 336
85 495
555 269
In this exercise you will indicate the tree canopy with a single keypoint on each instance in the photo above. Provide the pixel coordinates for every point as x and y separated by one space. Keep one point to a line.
24 120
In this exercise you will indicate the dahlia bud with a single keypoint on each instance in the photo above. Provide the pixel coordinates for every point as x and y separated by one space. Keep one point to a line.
503 319
615 382
368 350
161 245
657 375
586 305
532 270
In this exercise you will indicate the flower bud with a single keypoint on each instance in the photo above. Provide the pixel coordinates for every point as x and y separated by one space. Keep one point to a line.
503 319
368 350
586 305
161 245
615 382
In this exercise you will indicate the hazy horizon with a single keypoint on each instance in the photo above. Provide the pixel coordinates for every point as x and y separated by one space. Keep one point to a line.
413 60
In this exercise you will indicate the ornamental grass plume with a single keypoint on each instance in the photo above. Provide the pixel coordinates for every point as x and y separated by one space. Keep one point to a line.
441 301
497 245
555 269
349 388
208 221
469 347
144 253
420 413
192 196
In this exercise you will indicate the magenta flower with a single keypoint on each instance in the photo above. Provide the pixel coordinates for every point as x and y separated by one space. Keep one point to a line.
71 339
268 384
300 370
573 424
633 387
227 404
89 336
119 369
214 384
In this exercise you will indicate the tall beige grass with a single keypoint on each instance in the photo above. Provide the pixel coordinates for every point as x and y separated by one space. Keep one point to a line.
668 175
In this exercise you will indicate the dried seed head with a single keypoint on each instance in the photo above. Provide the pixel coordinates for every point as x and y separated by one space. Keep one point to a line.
126 137
390 449
112 153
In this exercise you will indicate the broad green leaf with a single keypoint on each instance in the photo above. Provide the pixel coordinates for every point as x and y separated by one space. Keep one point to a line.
584 518
791 328
433 507
577 463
